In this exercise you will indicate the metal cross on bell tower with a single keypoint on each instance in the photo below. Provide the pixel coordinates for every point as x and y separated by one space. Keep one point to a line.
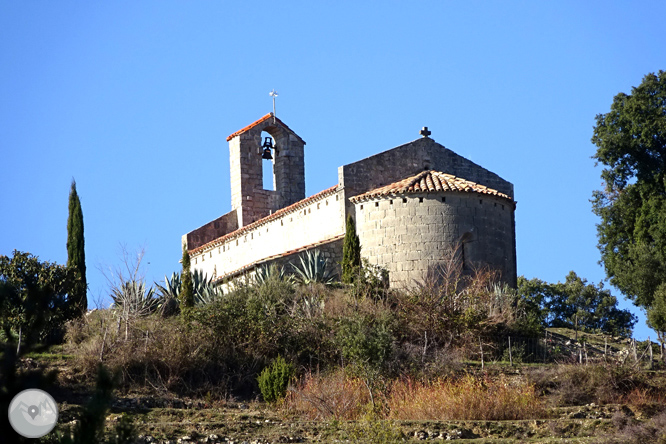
273 94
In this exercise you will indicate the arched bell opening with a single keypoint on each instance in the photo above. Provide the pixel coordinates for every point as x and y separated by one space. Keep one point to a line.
268 155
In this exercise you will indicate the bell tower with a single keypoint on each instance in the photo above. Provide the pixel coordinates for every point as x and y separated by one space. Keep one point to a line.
246 153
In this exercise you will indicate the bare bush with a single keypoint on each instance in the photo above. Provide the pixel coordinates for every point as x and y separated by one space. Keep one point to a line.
328 396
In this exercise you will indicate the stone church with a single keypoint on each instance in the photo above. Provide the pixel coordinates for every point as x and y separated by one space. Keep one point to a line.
410 203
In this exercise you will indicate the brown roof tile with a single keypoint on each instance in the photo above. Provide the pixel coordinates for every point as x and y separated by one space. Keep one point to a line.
428 182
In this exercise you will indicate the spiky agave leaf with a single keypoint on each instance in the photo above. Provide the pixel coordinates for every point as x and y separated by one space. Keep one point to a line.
265 273
314 268
133 298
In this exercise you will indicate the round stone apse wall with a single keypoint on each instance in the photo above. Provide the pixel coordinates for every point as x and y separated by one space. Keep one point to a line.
411 234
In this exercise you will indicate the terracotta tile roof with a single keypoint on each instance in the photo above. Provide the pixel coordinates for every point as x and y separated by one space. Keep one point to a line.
428 182
279 213
248 267
259 122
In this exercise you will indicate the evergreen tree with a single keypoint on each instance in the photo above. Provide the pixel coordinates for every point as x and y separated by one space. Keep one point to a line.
76 256
186 294
351 252
631 147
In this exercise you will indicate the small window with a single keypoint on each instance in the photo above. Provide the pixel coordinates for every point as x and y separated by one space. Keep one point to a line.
420 200
480 201
236 242
326 203
495 204
305 212
282 223
404 200
361 207
195 261
443 199
318 206
203 258
309 210
502 206
251 236
336 197
211 254
224 248
391 202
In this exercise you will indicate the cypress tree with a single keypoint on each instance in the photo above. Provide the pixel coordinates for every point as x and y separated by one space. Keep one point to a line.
351 252
76 255
186 294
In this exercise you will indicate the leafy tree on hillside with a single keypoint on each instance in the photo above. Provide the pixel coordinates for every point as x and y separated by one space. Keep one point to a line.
631 146
351 252
34 296
76 255
575 304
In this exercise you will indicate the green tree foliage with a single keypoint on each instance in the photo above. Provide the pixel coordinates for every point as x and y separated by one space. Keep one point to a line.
76 255
631 146
366 342
274 379
90 425
34 299
351 253
186 287
574 303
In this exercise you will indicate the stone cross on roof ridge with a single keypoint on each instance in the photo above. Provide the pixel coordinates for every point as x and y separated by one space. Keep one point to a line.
424 132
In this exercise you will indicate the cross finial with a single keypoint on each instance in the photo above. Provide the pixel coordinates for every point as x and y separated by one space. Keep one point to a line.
424 132
273 94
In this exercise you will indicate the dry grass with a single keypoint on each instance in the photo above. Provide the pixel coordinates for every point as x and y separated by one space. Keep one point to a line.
468 398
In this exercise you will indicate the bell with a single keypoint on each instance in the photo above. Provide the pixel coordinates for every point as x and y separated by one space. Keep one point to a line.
267 146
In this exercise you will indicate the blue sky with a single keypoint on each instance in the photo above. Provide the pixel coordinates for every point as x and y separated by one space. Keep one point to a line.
135 99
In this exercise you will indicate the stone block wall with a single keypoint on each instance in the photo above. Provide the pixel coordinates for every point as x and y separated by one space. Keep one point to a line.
212 230
410 159
248 197
410 234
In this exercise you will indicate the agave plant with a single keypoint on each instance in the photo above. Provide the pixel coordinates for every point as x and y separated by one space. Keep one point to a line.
168 295
265 273
205 291
314 268
133 300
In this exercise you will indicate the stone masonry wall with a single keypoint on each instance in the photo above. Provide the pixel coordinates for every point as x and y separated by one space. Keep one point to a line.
212 230
320 219
248 197
409 234
410 159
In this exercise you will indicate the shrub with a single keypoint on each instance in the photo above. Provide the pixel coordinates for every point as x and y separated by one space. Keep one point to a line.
274 380
328 396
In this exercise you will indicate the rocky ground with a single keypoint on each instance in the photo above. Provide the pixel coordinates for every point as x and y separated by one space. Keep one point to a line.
173 420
